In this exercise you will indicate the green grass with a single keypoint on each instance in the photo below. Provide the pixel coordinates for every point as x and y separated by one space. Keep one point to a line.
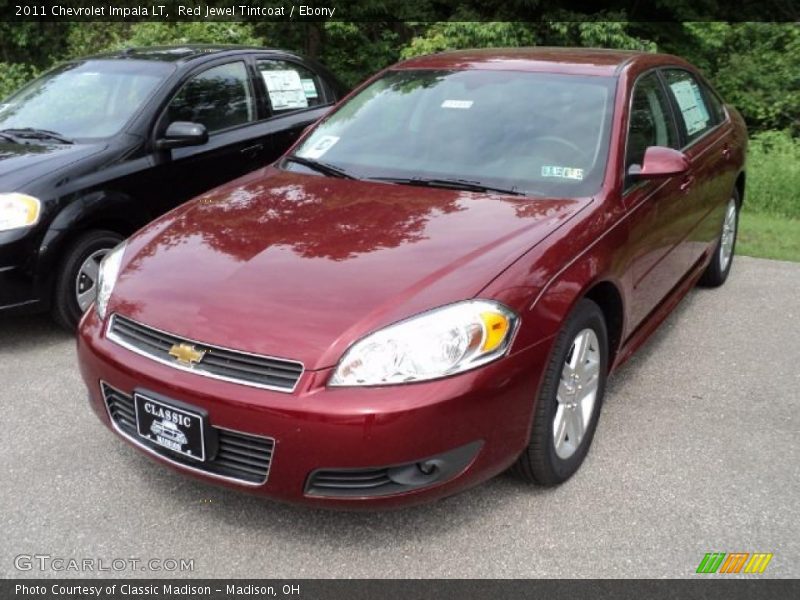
767 236
770 222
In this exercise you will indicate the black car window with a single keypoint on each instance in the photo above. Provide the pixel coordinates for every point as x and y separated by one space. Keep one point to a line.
85 99
649 123
290 86
695 115
219 98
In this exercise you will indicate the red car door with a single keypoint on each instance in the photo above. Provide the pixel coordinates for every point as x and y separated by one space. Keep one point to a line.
706 133
656 225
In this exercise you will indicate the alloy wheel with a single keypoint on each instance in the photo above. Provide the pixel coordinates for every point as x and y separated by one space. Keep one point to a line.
728 235
577 393
86 280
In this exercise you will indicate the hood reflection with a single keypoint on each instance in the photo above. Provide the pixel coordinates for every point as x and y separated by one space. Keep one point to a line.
320 217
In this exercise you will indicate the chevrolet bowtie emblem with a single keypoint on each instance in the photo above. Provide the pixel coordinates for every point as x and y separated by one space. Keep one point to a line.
186 354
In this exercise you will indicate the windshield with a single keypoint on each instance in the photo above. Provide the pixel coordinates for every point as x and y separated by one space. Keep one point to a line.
89 99
535 133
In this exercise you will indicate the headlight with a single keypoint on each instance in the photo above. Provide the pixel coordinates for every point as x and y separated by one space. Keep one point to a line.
18 210
441 342
109 270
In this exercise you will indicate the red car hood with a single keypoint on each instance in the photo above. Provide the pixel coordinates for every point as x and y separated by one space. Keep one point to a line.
300 266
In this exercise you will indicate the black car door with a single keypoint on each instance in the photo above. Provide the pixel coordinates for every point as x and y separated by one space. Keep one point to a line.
223 99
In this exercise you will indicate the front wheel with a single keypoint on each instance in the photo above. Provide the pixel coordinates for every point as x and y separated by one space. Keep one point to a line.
720 266
76 281
570 398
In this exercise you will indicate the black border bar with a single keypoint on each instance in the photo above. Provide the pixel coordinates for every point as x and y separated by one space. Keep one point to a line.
703 588
401 10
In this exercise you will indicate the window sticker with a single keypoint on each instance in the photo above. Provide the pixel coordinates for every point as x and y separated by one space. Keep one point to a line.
462 104
320 147
309 88
690 101
562 172
285 89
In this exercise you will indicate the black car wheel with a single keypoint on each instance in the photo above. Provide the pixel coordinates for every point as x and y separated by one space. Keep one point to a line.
569 399
76 284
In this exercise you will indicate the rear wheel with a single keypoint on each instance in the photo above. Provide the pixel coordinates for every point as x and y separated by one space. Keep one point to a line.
569 400
76 283
720 266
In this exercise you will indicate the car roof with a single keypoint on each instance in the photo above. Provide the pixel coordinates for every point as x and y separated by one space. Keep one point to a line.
180 53
578 61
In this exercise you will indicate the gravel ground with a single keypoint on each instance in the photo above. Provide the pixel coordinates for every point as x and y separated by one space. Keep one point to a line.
697 451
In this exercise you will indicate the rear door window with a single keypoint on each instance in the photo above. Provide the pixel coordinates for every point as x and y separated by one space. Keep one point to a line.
695 115
290 86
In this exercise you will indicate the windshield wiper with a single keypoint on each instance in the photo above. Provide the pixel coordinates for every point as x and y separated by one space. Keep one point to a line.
321 167
454 184
36 134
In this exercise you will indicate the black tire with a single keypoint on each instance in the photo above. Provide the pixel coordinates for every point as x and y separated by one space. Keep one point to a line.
66 311
716 273
539 462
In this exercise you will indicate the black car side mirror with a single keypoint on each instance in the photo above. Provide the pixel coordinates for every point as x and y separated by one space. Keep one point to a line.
181 134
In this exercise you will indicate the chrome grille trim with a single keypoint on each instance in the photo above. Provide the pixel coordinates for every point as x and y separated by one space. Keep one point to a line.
225 364
118 410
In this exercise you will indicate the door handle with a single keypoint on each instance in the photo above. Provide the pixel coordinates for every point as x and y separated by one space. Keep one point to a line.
687 183
726 151
252 150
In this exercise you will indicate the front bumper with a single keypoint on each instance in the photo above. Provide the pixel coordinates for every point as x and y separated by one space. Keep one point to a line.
20 291
476 422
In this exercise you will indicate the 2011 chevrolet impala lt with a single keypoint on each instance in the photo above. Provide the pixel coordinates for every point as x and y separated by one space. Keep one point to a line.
431 286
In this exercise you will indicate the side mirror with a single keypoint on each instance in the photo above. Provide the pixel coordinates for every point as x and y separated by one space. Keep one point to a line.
660 162
181 134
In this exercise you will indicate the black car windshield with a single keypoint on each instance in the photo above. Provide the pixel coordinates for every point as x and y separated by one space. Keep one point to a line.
534 133
88 99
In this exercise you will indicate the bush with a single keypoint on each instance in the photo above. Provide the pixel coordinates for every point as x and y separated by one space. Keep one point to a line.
773 175
13 76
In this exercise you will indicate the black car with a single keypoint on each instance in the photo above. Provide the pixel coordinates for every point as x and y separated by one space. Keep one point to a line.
98 147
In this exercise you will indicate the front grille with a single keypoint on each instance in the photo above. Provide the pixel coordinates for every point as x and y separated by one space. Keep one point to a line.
239 456
220 363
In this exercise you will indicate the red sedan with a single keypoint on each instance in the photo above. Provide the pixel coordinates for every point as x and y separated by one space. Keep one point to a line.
430 287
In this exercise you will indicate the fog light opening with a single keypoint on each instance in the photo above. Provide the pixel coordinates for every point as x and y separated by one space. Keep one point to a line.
428 467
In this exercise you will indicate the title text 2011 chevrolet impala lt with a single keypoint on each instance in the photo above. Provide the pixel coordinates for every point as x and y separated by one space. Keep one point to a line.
430 287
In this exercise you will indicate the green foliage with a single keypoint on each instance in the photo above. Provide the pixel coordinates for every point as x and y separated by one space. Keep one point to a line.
604 30
193 32
753 65
454 35
355 51
773 175
13 76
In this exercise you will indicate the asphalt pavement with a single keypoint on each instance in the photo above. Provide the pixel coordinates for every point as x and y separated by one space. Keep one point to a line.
697 451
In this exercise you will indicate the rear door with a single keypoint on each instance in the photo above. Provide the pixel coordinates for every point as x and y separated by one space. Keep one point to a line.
705 132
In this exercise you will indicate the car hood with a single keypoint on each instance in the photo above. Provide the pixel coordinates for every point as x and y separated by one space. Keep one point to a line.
300 266
24 163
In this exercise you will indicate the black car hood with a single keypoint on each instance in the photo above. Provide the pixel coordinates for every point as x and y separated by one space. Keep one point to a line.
24 163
